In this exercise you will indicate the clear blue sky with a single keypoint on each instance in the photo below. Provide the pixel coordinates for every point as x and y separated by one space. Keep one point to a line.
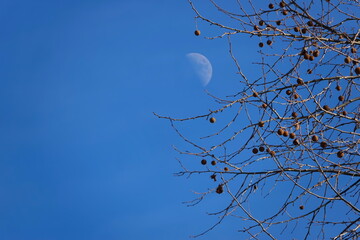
81 155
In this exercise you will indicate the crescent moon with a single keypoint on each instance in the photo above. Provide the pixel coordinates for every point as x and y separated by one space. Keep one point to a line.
202 67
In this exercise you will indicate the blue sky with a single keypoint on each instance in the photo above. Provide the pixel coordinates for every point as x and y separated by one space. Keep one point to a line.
81 154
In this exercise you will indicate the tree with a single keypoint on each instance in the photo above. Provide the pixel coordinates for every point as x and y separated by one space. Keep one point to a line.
293 134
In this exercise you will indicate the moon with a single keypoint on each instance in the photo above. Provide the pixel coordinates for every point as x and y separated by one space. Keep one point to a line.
201 66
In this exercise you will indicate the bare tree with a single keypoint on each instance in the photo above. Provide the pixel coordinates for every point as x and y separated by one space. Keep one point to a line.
292 139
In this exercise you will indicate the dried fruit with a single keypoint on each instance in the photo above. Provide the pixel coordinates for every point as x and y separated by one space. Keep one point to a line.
357 70
213 177
282 4
347 60
261 23
296 96
261 44
326 107
300 82
310 23
296 142
261 124
340 154
292 135
264 105
315 138
278 22
344 113
269 42
341 98
261 149
338 88
303 31
212 120
271 6
311 58
203 162
285 12
280 131
219 189
301 207
255 150
306 56
226 169
197 32
294 114
288 92
323 144
296 29
213 162
316 53
286 133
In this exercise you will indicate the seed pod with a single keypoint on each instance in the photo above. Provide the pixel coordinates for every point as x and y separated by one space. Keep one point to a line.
292 135
278 22
294 114
311 58
296 142
357 70
347 60
255 94
296 96
288 92
314 138
286 133
353 50
256 28
271 6
255 150
340 154
285 12
323 144
197 32
344 113
300 82
213 162
261 23
269 42
280 131
310 23
316 53
203 162
301 207
219 189
261 44
212 120
326 107
306 56
338 88
303 31
282 4
264 105
261 124
261 149
226 169
341 98
296 29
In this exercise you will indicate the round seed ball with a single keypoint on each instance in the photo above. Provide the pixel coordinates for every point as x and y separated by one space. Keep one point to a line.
261 124
271 6
323 144
292 135
197 32
357 70
286 133
341 98
326 107
213 162
294 114
288 92
203 162
255 150
296 142
340 154
280 131
261 149
347 60
338 88
296 29
261 44
226 169
301 207
315 138
212 120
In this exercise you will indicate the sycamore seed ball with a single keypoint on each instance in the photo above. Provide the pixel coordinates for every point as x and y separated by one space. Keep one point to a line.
212 120
197 32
